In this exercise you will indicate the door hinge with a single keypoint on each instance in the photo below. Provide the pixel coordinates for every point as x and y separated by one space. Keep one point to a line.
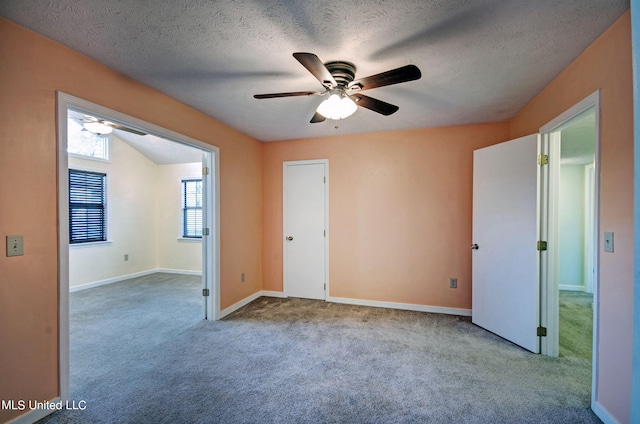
325 233
205 170
325 286
205 231
543 159
542 245
205 292
324 180
541 332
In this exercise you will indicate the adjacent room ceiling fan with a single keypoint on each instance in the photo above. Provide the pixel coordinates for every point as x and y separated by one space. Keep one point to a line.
344 92
99 126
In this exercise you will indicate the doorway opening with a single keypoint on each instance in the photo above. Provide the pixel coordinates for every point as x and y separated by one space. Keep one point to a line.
576 233
199 211
570 283
518 206
135 203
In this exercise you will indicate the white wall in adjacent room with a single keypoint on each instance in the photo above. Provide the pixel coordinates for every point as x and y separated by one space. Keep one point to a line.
143 208
175 252
571 225
131 222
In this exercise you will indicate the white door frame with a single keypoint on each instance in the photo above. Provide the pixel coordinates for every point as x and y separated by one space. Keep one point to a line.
325 162
549 284
589 226
211 216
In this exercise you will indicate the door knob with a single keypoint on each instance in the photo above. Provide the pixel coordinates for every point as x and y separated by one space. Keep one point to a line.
474 246
289 238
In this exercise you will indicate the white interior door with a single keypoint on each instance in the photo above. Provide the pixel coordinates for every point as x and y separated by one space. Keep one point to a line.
505 297
207 226
305 208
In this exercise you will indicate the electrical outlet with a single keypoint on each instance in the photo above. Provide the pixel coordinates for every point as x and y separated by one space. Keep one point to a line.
126 258
15 246
242 277
453 283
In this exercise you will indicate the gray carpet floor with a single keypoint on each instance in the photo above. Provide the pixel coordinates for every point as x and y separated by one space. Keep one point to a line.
141 354
576 324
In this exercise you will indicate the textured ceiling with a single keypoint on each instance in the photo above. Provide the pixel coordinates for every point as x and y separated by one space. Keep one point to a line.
481 60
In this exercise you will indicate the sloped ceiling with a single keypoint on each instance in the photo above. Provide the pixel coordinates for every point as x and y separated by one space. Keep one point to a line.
481 60
160 150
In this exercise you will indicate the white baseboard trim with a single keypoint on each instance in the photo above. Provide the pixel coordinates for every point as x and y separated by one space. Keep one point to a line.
570 287
128 276
240 304
109 281
349 301
177 271
34 415
402 306
248 300
603 414
268 293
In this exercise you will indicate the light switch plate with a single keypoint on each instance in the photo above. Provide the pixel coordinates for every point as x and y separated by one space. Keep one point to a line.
608 241
15 246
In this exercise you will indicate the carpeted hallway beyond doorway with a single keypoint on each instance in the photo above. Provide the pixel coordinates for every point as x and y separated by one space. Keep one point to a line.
141 354
576 324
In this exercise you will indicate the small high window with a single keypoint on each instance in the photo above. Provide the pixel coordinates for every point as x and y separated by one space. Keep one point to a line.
85 143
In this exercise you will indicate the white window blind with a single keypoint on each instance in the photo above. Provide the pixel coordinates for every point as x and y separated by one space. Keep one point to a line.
192 208
87 206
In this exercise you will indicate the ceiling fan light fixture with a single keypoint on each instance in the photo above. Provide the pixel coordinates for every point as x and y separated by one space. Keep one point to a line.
337 106
98 127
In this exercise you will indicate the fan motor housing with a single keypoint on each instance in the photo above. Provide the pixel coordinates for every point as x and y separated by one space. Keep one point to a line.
342 72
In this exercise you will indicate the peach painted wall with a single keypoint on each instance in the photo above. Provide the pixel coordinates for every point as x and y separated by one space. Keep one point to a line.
399 212
32 69
605 65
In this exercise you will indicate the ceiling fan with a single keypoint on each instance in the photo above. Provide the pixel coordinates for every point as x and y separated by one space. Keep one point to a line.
337 77
99 126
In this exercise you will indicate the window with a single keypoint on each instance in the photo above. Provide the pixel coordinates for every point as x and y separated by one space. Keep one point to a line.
87 206
85 143
192 208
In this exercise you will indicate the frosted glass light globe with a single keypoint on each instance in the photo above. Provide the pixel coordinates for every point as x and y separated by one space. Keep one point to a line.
337 107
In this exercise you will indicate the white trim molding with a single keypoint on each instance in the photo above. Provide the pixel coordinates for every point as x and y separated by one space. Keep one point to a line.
603 414
267 293
178 271
402 306
359 302
93 284
249 299
34 415
550 309
589 102
239 304
569 287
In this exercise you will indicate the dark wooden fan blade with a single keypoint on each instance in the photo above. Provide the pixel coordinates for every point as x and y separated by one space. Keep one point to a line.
317 118
374 104
291 94
127 129
395 76
317 68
